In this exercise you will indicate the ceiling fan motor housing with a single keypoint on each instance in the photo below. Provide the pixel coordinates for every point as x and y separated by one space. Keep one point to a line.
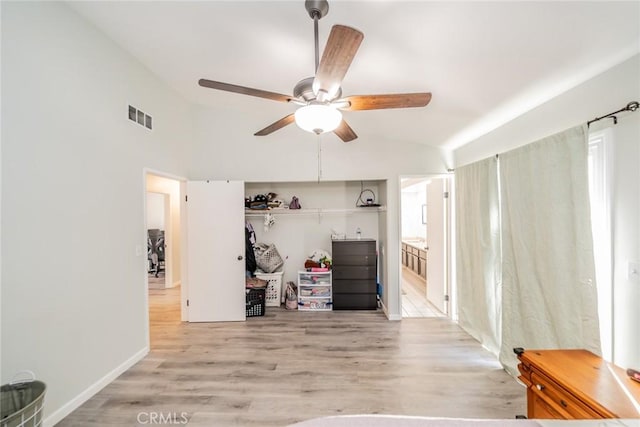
304 90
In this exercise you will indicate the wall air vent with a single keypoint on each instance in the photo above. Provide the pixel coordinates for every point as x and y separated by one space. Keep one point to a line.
140 117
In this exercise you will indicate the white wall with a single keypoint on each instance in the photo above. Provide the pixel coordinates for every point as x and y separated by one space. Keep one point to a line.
389 254
155 210
73 295
224 149
607 92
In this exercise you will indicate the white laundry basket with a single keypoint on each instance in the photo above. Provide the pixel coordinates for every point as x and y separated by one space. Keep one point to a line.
273 292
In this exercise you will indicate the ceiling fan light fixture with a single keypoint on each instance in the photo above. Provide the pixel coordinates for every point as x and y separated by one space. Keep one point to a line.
318 118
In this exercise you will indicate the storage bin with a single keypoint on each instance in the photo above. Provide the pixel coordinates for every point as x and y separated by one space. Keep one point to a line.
255 302
21 403
314 291
273 294
320 304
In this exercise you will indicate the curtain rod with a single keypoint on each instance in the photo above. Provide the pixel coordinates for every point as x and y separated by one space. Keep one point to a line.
632 106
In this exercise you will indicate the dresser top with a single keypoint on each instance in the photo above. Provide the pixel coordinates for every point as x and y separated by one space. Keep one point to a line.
599 383
353 240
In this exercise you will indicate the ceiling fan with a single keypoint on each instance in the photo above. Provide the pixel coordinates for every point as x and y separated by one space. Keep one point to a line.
320 97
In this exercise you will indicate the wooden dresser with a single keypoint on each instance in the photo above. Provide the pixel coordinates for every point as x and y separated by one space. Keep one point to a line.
354 271
576 384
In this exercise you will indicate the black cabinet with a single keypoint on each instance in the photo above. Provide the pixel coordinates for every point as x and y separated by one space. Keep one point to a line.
354 272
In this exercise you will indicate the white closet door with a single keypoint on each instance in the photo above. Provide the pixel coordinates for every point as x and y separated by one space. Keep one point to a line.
216 264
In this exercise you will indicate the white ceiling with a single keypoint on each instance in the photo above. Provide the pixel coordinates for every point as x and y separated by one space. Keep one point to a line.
484 62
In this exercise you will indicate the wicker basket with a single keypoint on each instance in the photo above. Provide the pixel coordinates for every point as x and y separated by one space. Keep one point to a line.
267 257
274 287
21 403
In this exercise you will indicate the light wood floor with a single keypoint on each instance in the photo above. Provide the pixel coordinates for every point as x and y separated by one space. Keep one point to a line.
289 366
414 296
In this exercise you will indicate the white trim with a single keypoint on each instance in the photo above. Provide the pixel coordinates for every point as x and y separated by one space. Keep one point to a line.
600 187
449 254
393 317
90 391
147 170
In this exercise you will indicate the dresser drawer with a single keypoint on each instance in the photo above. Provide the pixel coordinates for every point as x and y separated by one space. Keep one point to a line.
559 399
355 302
362 260
356 247
354 272
541 409
350 286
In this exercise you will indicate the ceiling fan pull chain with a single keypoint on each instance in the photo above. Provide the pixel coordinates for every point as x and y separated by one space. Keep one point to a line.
319 158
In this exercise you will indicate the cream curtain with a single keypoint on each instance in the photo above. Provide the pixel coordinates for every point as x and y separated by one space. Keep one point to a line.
548 280
478 252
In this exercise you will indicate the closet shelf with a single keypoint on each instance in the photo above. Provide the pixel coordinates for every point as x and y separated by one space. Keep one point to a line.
313 211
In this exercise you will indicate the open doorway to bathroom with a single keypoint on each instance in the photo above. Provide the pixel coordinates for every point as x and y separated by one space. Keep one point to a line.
424 279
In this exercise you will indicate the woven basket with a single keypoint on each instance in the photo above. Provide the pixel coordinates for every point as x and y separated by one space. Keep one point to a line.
21 403
267 257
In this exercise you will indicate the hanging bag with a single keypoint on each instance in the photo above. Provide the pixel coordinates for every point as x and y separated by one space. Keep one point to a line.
295 203
291 297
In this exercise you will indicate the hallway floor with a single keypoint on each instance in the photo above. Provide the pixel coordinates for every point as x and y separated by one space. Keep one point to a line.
414 299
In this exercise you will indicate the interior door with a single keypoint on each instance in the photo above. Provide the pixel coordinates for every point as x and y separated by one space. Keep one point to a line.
436 284
215 260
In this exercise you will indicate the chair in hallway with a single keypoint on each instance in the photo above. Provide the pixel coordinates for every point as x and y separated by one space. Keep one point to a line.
155 250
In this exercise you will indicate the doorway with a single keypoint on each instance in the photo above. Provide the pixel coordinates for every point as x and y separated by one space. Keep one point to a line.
163 226
424 248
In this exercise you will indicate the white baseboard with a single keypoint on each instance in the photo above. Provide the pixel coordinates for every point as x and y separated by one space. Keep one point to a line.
74 403
393 317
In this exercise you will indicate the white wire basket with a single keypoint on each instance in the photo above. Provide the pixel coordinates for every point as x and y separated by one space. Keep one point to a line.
22 401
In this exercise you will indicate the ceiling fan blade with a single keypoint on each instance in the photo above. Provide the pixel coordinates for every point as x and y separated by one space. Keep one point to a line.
244 90
342 45
344 132
381 102
286 120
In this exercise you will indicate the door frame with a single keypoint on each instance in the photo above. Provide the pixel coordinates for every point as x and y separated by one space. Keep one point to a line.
449 242
143 252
